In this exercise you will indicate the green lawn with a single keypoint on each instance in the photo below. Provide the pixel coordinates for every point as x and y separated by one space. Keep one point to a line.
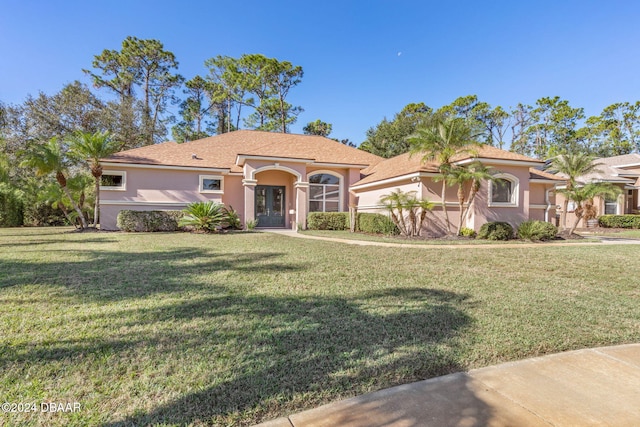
628 234
182 328
341 234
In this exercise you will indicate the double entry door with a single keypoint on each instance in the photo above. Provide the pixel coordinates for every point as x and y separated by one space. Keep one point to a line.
270 206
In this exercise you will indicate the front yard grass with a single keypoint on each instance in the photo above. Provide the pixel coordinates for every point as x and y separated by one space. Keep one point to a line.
178 328
347 235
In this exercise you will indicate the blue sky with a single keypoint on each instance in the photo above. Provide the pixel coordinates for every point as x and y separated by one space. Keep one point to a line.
362 60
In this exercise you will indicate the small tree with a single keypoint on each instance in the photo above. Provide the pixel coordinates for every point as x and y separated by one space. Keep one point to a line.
408 213
441 140
461 176
571 166
583 194
89 148
49 158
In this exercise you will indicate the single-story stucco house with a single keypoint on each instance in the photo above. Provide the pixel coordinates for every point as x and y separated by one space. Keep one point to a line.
622 171
278 179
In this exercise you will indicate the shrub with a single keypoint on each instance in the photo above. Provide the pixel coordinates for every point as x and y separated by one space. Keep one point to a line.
619 221
328 221
11 207
468 232
375 223
496 231
232 219
537 230
251 225
148 220
203 216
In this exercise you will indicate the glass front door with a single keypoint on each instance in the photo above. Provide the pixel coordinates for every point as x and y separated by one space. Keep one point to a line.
270 206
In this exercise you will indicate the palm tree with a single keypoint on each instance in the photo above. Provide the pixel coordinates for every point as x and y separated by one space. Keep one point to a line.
441 140
475 173
571 166
585 193
402 205
48 158
90 148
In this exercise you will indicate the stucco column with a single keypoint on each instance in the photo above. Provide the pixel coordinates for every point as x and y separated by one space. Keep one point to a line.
249 199
301 189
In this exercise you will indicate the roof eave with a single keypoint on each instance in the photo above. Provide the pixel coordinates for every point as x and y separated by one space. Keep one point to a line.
393 179
505 162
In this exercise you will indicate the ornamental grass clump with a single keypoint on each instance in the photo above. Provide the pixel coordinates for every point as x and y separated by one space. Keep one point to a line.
203 216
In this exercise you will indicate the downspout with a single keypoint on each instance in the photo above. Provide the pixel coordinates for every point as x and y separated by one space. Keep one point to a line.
548 202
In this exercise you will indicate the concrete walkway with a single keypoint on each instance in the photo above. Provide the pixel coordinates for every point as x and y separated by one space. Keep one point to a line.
593 387
599 241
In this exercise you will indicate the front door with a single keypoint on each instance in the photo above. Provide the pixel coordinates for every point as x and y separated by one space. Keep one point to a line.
270 206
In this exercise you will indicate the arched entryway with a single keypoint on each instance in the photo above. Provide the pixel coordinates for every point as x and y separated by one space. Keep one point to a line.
275 197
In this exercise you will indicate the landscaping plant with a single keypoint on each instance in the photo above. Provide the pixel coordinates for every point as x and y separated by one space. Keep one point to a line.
407 212
203 216
537 230
496 231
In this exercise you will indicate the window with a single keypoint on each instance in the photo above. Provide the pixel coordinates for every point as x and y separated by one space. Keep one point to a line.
211 184
113 180
324 193
503 191
610 206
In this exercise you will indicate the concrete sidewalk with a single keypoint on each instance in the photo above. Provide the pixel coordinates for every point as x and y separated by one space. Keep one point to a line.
593 387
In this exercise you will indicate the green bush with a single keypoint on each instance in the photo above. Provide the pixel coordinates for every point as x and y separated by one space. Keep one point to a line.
468 232
619 221
148 220
203 216
231 219
375 223
537 231
328 221
11 207
496 231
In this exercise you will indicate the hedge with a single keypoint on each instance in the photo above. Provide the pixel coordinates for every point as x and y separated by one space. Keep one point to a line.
376 223
496 231
149 220
537 230
372 223
619 221
11 207
328 221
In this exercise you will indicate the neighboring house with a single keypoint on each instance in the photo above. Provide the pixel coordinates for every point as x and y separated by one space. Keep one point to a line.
278 179
621 171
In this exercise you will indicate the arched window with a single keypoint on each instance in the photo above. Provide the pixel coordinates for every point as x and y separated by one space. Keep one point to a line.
325 192
503 190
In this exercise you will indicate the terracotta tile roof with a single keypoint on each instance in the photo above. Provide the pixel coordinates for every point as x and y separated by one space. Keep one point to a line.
221 151
405 164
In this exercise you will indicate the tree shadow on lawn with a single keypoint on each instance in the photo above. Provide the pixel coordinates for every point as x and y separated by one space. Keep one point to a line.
54 242
112 275
305 349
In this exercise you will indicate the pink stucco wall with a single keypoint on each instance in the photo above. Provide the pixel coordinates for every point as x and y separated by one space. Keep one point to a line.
167 189
155 189
530 201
